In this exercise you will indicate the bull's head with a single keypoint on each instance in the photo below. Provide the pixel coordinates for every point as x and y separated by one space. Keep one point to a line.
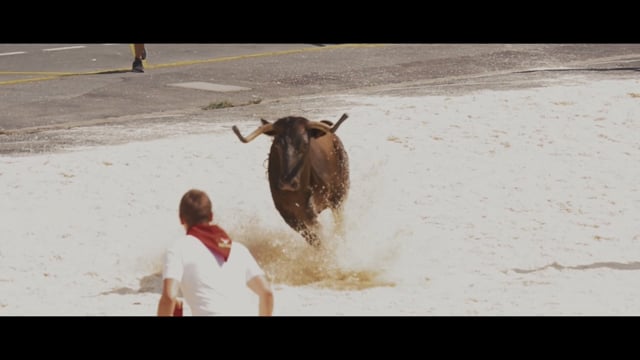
291 141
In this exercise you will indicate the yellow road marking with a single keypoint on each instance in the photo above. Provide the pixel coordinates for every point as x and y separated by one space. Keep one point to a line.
264 54
56 75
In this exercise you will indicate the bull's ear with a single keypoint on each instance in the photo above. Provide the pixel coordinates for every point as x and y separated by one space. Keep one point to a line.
316 129
315 133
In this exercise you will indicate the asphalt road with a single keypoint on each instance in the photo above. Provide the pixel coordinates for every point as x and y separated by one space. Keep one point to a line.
62 86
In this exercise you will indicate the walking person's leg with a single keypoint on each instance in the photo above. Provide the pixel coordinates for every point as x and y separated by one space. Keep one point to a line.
140 53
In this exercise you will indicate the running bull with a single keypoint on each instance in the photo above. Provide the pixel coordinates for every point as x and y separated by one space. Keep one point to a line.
308 171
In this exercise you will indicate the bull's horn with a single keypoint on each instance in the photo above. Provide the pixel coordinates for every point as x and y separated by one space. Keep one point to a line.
342 118
261 130
326 128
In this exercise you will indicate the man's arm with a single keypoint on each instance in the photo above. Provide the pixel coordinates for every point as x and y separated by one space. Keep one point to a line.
169 298
260 285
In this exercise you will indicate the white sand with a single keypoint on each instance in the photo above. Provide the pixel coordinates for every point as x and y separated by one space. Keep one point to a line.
459 205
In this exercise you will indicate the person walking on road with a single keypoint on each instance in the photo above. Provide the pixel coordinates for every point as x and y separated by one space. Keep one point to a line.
140 53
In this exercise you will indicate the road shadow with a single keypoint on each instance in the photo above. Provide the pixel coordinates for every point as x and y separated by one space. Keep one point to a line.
106 72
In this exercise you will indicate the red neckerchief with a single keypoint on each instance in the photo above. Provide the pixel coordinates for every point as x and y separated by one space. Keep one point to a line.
213 237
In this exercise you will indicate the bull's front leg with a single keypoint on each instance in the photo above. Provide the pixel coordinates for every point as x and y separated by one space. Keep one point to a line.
311 237
312 227
306 225
309 231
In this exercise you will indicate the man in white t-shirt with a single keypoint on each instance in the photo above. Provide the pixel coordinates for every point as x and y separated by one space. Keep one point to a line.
213 273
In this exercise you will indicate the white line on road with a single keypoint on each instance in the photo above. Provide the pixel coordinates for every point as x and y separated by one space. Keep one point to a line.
64 48
13 53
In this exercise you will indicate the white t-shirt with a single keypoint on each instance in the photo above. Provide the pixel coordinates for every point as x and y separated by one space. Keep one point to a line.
209 285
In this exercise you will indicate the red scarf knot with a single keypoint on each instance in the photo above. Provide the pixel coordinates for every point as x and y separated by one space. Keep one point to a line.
213 237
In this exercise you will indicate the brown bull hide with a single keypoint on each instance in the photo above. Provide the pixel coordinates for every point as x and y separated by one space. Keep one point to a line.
308 171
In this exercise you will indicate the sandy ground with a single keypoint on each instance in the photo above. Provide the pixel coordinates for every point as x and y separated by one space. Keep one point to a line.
486 202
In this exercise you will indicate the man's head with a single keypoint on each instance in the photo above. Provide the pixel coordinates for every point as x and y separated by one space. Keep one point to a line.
195 208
